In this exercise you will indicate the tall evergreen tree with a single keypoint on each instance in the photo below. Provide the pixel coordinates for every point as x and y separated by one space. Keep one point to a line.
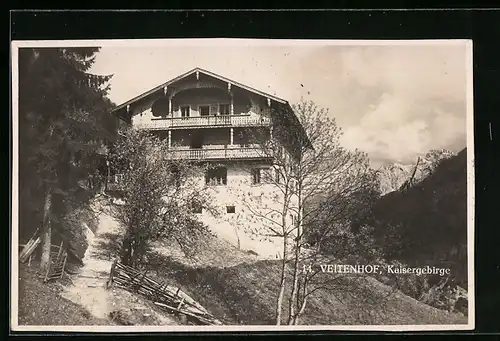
63 124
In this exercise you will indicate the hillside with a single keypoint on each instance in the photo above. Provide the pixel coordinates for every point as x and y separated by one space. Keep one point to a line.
246 294
43 304
232 284
427 224
239 289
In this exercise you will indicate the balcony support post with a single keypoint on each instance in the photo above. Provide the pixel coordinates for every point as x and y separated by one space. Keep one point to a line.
170 139
231 106
231 135
170 109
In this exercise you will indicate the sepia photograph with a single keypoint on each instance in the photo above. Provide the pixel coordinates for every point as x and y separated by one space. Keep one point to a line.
242 185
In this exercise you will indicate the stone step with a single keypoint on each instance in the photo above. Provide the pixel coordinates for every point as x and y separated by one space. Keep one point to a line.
96 285
93 273
101 278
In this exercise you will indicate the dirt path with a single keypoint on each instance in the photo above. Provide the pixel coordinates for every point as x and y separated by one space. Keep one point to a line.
89 285
88 289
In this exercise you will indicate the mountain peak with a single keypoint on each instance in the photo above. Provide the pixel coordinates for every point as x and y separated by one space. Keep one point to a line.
392 176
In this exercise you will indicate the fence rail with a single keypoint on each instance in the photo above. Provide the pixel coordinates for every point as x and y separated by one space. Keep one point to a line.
166 297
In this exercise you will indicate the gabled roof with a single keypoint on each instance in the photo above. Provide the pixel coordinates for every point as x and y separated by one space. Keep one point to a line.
288 111
208 73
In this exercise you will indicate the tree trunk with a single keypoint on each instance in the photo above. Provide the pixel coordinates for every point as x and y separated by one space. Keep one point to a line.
298 239
108 174
133 252
237 237
301 306
293 295
46 231
126 251
279 302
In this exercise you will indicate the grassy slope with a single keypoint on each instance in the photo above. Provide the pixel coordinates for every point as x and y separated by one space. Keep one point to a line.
240 290
246 294
431 218
40 304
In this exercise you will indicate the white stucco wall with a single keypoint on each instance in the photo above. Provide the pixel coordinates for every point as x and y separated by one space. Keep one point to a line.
246 227
252 203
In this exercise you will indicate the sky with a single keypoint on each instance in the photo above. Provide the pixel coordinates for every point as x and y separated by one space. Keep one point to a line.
394 101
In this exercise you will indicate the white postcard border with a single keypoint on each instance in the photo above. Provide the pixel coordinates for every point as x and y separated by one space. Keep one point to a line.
15 45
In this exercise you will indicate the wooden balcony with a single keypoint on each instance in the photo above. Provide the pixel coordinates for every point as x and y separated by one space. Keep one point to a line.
232 153
204 122
203 154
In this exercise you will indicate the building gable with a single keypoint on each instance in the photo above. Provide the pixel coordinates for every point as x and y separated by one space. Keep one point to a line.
179 86
198 78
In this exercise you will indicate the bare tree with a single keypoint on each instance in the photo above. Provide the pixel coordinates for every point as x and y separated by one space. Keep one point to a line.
312 181
160 194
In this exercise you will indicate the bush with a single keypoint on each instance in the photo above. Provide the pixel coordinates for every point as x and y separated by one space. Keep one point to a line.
158 192
437 291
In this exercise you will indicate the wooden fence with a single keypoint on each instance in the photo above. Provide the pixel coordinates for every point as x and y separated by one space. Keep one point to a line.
168 298
57 260
57 264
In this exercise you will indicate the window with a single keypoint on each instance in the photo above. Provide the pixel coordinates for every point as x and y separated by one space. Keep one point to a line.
243 138
216 176
230 209
185 111
256 176
213 109
204 110
224 109
197 139
261 176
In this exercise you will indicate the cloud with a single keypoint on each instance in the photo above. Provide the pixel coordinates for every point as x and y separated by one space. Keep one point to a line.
399 129
422 101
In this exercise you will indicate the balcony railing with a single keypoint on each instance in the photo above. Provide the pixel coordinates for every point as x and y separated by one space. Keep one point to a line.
204 121
115 181
219 153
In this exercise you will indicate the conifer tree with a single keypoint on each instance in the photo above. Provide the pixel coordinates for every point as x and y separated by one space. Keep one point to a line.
63 123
